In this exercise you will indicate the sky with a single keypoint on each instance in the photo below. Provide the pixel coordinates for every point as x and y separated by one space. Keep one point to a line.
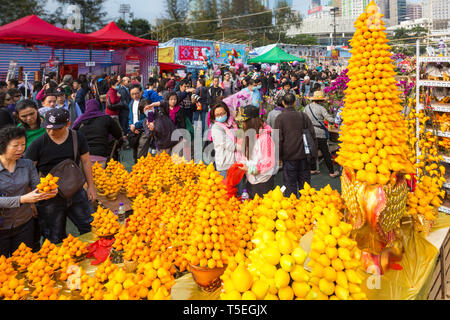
153 9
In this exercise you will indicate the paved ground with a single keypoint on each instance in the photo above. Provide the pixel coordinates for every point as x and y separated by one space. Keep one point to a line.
317 181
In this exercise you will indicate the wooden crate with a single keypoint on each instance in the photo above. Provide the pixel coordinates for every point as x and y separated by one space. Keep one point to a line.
440 288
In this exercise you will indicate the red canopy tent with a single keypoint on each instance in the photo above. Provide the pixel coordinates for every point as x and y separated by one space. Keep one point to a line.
31 30
170 66
111 36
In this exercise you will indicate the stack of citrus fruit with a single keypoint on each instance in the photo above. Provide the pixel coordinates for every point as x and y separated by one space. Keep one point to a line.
105 222
274 268
23 257
311 204
424 201
213 237
374 134
334 258
48 183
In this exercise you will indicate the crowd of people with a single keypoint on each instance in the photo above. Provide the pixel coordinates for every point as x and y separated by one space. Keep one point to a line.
90 119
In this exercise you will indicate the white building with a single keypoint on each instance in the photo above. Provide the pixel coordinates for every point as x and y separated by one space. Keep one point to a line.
414 11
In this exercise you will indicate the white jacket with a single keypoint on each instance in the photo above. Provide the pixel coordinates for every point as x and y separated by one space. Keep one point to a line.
224 147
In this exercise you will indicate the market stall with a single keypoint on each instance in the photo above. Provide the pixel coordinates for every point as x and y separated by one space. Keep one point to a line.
90 52
191 53
275 55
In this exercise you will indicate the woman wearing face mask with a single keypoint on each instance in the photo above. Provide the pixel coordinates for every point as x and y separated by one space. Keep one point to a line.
253 87
30 120
223 138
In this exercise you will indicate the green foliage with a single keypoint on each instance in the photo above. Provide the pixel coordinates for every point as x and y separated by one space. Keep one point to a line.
92 13
136 27
302 39
13 10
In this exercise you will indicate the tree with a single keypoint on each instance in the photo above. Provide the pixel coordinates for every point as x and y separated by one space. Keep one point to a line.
11 11
204 10
174 22
91 13
285 17
136 27
302 39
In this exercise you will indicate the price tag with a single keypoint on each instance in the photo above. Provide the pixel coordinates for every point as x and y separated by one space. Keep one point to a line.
90 63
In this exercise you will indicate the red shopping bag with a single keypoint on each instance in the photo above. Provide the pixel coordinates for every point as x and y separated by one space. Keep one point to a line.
234 176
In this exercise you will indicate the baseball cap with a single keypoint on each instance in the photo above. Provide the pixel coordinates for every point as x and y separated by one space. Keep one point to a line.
56 118
60 91
248 112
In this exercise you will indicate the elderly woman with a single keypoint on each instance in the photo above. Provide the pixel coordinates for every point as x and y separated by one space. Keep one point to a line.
17 177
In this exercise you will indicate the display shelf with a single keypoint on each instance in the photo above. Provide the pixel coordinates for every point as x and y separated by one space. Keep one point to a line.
433 83
439 107
433 59
446 159
445 134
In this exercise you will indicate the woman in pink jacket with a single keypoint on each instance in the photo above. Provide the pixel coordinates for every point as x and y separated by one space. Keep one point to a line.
259 157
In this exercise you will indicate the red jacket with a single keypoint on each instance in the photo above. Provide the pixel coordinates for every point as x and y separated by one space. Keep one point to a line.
113 99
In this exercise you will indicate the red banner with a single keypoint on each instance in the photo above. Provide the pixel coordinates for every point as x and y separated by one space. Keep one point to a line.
191 53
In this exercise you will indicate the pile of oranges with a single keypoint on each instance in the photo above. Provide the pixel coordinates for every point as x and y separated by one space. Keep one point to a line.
424 201
374 135
48 183
213 236
10 287
23 257
274 267
13 289
334 259
105 222
110 181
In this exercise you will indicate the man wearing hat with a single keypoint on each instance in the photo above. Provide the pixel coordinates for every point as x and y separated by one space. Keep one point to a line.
62 101
47 151
317 113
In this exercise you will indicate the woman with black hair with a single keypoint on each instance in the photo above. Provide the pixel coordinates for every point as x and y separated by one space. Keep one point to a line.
5 115
30 119
176 113
258 157
223 138
17 177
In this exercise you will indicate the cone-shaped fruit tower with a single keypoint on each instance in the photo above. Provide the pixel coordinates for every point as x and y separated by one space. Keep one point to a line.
373 148
213 236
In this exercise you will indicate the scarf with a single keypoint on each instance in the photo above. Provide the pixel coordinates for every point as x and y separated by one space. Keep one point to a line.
173 112
92 111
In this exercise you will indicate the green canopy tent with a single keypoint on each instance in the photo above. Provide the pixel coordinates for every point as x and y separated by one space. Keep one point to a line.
275 55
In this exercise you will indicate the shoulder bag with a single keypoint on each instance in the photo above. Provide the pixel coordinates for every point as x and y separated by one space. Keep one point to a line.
113 107
322 126
71 177
308 141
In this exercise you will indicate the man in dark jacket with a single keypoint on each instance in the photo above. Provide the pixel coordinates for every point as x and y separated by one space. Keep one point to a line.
290 123
214 92
80 94
184 98
125 99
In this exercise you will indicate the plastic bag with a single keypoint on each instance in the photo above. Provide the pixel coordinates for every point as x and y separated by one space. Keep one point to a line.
234 176
100 250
